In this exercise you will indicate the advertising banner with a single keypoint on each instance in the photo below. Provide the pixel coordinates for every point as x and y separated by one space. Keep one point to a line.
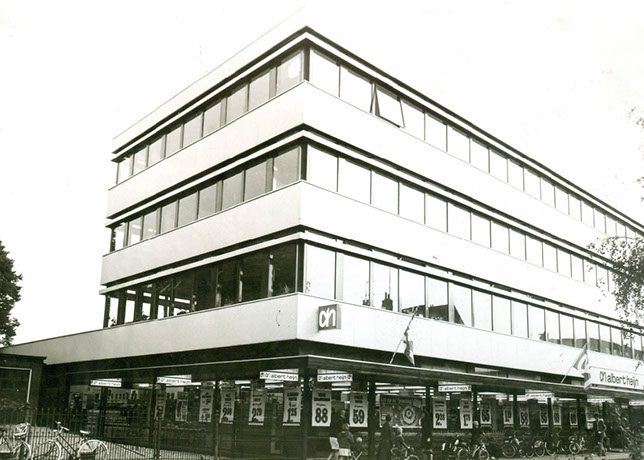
227 406
508 414
292 405
556 414
405 411
572 416
485 409
543 415
439 412
206 397
466 409
321 410
257 407
524 415
358 409
181 410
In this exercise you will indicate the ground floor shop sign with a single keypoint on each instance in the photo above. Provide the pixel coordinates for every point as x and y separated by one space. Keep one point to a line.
612 378
439 412
466 410
227 406
358 409
292 405
321 413
405 411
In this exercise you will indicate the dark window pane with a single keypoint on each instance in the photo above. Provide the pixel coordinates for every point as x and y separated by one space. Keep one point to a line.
436 212
254 276
637 347
436 132
150 224
501 316
580 332
182 301
286 168
458 221
283 270
168 217
232 191
412 292
255 181
192 129
325 74
134 231
173 141
204 289
461 300
536 322
322 169
155 151
237 103
482 310
259 90
481 230
385 193
592 329
604 338
207 201
552 327
355 181
458 144
519 319
140 160
320 272
164 293
187 209
355 90
412 203
148 300
567 332
438 307
414 120
289 72
355 280
384 287
388 106
616 335
227 283
212 118
628 346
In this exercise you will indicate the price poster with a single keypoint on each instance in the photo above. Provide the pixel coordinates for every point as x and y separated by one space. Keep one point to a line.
485 410
508 414
543 415
160 401
466 408
590 417
321 413
524 415
227 406
440 412
359 409
206 396
572 416
556 414
257 408
405 411
292 405
181 410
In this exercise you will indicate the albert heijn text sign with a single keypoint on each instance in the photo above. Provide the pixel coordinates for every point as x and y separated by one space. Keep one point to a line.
613 378
329 317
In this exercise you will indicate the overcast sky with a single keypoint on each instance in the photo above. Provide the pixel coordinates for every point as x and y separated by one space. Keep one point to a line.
554 79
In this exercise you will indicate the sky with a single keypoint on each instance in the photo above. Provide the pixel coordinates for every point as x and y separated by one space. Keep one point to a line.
554 79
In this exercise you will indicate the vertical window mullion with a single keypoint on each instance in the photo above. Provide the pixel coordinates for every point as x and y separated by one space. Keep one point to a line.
270 163
302 159
339 275
306 67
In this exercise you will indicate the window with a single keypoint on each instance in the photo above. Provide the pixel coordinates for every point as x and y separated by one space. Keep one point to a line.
482 310
168 217
207 201
580 332
637 347
532 183
620 229
140 160
438 307
577 268
212 118
173 141
182 298
461 301
412 292
123 169
552 327
590 273
600 221
204 292
519 319
534 251
254 276
322 169
259 90
237 103
355 90
227 283
384 287
498 166
324 73
385 193
155 151
150 224
587 214
610 226
515 174
616 335
604 338
134 231
255 181
567 331
436 132
355 181
286 168
517 244
414 120
458 221
164 293
187 209
458 144
575 207
412 203
436 212
480 156
602 277
564 263
283 265
192 129
561 200
355 280
501 316
481 230
289 72
549 257
130 298
118 236
501 238
320 272
232 190
592 330
537 329
388 106
628 347
547 192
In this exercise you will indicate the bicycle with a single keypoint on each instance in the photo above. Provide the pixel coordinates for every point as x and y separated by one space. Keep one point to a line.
14 446
86 449
513 446
403 453
554 445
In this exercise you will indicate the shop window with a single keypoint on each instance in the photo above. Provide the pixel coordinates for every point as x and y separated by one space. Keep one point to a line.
111 309
574 207
150 224
384 287
547 192
564 263
283 267
173 141
354 276
286 168
385 193
553 335
412 203
482 310
322 169
458 221
532 183
155 151
134 231
254 276
147 298
567 331
576 268
480 230
458 144
561 200
437 305
320 272
500 237
412 292
515 174
519 319
534 251
587 214
517 244
536 323
461 301
355 181
192 129
289 72
355 90
168 217
436 132
237 103
207 201
324 73
604 338
637 347
259 90
164 293
436 212
498 166
204 292
140 160
480 156
549 257
414 120
124 169
118 237
182 298
501 315
580 332
255 181
600 221
187 209
232 190
628 345
616 340
590 273
388 106
227 283
212 118
592 329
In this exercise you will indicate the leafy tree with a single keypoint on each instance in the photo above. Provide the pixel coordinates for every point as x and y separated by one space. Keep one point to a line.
9 295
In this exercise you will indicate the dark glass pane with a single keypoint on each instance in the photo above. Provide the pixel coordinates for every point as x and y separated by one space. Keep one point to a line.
283 270
438 307
237 103
255 181
207 201
232 190
482 310
168 217
259 90
461 299
182 301
286 168
501 315
289 72
187 209
412 292
637 347
320 272
227 287
212 118
254 276
355 280
204 289
384 287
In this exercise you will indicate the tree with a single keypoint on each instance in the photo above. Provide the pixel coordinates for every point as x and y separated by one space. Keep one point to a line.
9 295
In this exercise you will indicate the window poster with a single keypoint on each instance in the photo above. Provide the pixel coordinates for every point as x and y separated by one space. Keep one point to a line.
206 397
160 401
257 407
556 414
466 409
321 413
439 412
405 411
181 409
358 409
590 417
543 415
292 404
524 415
227 406
572 416
485 411
508 414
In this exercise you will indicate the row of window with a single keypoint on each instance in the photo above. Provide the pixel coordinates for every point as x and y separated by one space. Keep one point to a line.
369 186
337 275
337 79
244 97
216 195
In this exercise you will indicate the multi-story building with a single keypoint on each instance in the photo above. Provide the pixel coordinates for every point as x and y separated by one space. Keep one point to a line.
277 227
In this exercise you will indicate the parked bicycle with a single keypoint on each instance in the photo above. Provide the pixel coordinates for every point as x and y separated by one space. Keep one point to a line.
513 446
452 449
13 445
556 445
82 449
403 453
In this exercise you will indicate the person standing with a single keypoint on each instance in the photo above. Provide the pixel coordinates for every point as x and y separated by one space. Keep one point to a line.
386 439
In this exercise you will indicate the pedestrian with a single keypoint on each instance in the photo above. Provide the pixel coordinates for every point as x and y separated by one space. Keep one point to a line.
345 442
386 439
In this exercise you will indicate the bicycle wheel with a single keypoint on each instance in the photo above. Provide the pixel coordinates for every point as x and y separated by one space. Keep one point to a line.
528 450
22 451
551 448
92 449
540 449
412 457
508 450
483 454
462 454
574 448
48 450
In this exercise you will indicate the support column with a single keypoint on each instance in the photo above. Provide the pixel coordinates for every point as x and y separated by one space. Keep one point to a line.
550 421
476 419
427 425
372 423
515 410
307 401
216 405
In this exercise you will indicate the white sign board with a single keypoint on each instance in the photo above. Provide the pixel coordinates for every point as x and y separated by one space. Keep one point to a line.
485 410
454 388
618 379
524 415
321 409
335 377
112 383
358 409
284 376
227 413
465 413
257 407
292 405
508 414
636 402
440 412
178 381
206 396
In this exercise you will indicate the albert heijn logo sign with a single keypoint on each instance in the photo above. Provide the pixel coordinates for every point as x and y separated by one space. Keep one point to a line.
329 317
